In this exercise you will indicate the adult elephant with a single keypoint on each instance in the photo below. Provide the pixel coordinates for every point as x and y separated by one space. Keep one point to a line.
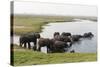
57 36
27 38
65 37
56 33
45 42
76 38
88 35
58 46
52 45
66 34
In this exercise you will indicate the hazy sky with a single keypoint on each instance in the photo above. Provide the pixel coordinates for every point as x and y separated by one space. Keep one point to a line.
54 9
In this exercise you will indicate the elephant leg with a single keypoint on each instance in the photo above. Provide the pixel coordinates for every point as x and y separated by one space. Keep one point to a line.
39 48
47 50
24 45
20 44
29 46
34 47
70 44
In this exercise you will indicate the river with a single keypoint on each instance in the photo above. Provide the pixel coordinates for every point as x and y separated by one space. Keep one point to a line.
75 27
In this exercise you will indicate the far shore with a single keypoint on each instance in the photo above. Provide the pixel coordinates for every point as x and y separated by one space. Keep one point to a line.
27 23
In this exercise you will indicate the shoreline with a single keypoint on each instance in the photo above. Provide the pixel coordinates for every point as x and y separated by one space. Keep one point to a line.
25 24
34 23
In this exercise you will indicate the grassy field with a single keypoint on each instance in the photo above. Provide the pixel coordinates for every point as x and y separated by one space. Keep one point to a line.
29 57
28 23
33 23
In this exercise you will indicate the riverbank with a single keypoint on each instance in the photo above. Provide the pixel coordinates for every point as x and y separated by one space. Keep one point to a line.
29 23
23 57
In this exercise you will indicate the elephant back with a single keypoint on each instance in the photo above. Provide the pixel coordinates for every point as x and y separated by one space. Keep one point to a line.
66 34
29 37
44 42
89 34
23 38
76 37
59 44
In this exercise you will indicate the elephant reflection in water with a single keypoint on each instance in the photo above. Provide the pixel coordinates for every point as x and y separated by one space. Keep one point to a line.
27 38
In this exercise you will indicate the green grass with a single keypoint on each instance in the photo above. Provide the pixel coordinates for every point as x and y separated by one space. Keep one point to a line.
29 57
28 23
33 23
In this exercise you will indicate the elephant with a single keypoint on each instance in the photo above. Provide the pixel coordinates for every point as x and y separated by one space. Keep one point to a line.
88 35
62 37
45 42
57 36
27 38
52 45
76 38
66 34
58 46
23 40
56 33
68 40
65 37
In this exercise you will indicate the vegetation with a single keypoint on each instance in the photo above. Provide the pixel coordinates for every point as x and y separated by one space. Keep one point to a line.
33 23
29 23
29 57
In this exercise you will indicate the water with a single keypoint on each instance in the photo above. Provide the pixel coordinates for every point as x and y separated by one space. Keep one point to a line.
77 27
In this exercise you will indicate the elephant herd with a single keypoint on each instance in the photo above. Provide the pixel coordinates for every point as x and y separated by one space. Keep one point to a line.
56 44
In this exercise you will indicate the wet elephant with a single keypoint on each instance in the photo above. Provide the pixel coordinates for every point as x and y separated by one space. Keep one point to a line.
27 38
65 37
68 40
56 33
66 34
76 38
57 36
45 42
58 46
88 35
52 45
